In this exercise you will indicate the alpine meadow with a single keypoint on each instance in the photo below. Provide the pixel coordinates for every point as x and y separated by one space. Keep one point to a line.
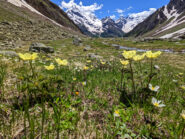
66 73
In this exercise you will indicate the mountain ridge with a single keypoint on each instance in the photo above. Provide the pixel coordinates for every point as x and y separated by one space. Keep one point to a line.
164 22
92 26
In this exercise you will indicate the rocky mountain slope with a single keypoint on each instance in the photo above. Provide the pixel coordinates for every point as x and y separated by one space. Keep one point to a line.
19 21
166 22
110 28
107 27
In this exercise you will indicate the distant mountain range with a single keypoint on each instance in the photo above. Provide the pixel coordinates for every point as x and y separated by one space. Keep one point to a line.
50 21
107 27
166 22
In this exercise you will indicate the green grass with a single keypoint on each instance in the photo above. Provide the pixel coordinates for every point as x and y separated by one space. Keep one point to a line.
37 103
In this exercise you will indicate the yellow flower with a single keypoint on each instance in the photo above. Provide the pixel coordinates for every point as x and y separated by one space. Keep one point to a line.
129 54
86 68
77 93
149 54
180 74
183 87
183 114
28 56
124 62
138 57
88 61
50 67
102 62
116 113
83 83
74 79
61 62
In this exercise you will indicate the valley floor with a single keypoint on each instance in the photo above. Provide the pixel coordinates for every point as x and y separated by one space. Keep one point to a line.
92 91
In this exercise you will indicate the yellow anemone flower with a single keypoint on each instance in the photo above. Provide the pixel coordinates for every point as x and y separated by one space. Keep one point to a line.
74 79
124 62
139 57
129 54
88 61
84 83
61 62
183 114
102 62
86 68
28 56
183 87
50 67
151 55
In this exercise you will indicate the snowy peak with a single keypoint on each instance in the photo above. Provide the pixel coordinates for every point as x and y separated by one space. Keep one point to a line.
167 22
89 21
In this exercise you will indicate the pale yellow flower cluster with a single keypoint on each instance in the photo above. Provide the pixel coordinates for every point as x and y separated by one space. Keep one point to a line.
149 54
124 62
139 57
61 62
28 56
50 67
129 54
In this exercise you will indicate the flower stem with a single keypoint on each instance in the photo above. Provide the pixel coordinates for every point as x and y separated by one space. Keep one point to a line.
132 76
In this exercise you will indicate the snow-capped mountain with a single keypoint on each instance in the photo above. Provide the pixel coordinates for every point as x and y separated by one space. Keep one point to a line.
132 20
88 23
166 22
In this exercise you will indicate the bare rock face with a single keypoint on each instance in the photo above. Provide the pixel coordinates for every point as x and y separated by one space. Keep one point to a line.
39 47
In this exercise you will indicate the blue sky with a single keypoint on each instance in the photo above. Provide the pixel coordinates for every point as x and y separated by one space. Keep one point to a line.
118 7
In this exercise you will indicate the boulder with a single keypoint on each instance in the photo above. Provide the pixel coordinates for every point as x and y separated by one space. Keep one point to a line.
39 47
87 48
77 41
9 53
92 55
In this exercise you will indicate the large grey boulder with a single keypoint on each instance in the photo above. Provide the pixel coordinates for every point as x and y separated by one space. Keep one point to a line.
77 41
39 47
9 53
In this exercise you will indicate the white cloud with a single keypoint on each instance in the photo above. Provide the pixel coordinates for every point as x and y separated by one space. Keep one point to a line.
129 8
119 11
87 10
112 16
143 14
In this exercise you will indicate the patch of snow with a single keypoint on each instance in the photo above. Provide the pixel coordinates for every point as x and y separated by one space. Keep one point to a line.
166 13
170 35
134 19
172 14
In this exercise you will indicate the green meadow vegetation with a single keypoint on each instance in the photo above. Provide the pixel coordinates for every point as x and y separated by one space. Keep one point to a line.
120 94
